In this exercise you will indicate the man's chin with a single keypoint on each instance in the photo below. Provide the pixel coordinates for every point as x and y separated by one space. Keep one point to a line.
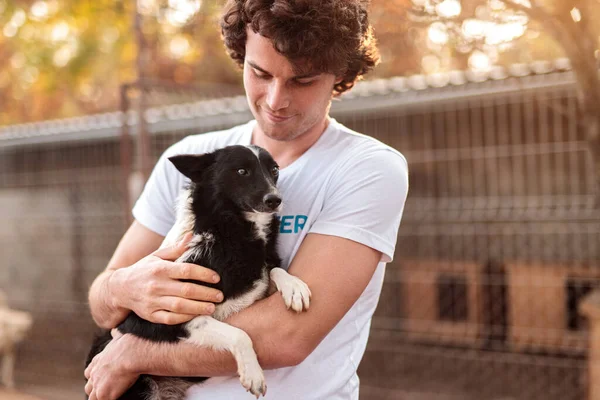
278 133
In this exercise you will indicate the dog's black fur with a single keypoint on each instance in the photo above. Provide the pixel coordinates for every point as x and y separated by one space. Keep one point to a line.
224 186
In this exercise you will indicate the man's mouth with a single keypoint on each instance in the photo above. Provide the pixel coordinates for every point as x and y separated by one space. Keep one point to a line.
277 118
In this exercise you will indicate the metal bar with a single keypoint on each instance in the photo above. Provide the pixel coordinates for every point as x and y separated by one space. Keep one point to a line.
126 155
144 165
543 137
516 132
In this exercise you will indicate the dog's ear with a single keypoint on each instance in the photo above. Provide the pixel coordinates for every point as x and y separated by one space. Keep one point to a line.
193 165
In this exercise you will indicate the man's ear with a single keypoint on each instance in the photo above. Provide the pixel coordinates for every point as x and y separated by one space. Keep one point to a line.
335 94
193 165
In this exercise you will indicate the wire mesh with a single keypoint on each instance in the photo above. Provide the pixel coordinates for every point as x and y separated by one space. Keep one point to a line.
498 245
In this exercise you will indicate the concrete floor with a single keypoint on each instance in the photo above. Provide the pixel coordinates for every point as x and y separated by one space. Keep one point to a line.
45 391
6 394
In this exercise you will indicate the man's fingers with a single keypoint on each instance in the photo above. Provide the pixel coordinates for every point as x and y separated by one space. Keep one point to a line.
193 272
88 388
169 318
192 291
180 305
173 252
88 370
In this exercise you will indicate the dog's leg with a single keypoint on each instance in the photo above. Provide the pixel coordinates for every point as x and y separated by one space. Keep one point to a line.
294 291
207 331
8 365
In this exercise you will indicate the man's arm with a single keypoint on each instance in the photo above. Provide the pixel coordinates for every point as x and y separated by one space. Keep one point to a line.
142 279
105 311
337 271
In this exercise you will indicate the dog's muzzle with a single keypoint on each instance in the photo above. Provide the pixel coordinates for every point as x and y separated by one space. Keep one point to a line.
272 201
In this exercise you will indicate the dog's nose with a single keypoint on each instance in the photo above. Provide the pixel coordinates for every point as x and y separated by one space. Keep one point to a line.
272 201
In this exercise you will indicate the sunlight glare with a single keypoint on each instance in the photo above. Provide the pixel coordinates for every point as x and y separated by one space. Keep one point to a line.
493 33
9 30
448 8
180 11
502 33
65 54
39 10
438 34
474 28
60 32
479 61
18 18
179 46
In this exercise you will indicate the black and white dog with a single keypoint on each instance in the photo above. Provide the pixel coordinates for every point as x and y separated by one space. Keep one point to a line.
230 207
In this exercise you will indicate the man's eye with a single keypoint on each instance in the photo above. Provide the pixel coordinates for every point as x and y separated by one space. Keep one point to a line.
242 171
275 170
260 75
304 82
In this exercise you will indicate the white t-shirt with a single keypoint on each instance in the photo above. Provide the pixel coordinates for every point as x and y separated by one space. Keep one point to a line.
347 185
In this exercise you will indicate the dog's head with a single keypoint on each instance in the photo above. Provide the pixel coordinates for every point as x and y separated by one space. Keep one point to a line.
244 175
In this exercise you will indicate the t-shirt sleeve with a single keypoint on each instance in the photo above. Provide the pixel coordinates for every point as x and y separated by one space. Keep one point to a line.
365 200
155 208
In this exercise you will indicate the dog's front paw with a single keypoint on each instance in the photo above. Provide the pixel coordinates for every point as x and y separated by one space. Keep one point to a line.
296 294
253 379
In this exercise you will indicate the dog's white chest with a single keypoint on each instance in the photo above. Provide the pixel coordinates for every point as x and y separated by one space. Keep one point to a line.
261 221
236 304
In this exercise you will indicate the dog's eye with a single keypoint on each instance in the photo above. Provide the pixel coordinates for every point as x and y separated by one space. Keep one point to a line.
275 170
242 171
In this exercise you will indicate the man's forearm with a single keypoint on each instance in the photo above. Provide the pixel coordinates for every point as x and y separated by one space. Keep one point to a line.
106 314
179 359
274 344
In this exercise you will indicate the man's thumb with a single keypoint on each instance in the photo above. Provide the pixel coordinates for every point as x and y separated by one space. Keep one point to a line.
174 251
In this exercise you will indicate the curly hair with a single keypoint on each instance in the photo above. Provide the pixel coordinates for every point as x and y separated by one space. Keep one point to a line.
328 36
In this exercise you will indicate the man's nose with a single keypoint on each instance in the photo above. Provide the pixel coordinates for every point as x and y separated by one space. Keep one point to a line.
277 96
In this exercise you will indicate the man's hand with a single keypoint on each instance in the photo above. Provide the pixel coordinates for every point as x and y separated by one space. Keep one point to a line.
152 288
110 373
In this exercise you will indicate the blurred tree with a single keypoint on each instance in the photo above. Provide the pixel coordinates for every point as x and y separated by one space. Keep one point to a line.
60 60
68 57
397 37
484 28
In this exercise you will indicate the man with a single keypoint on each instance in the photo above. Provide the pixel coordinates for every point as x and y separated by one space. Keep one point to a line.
343 199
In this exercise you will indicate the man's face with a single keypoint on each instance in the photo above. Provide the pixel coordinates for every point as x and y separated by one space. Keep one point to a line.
285 105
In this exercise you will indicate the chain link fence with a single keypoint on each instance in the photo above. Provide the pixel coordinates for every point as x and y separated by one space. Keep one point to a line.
498 245
499 240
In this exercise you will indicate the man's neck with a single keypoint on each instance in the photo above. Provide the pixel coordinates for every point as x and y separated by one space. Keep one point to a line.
286 152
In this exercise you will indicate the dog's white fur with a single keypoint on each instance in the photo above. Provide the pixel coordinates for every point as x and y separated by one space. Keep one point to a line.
14 325
231 306
296 294
255 150
261 222
184 221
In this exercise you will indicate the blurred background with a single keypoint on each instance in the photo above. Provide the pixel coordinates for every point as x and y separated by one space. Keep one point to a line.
492 293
